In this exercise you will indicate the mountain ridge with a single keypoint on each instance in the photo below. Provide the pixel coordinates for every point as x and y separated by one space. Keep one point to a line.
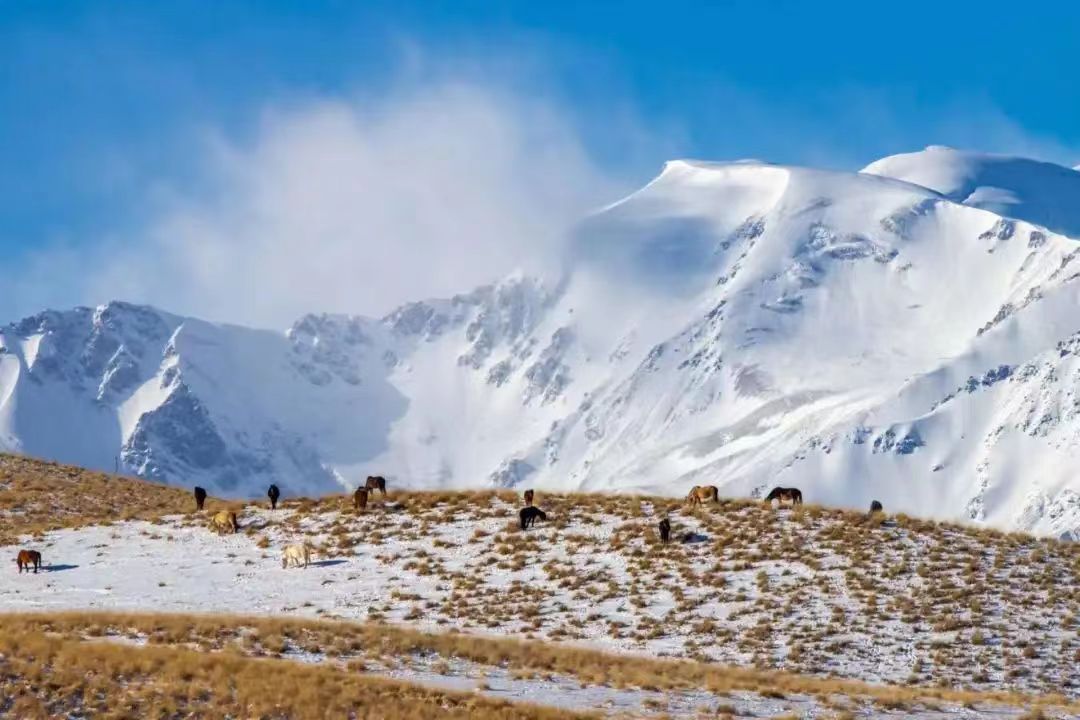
739 324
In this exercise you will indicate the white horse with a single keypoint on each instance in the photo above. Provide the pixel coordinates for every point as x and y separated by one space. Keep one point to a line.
295 554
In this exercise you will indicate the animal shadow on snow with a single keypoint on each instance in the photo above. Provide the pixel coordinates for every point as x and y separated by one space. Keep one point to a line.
58 568
692 538
327 563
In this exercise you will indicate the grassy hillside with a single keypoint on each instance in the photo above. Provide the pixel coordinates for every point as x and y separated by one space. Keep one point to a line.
790 597
38 495
811 590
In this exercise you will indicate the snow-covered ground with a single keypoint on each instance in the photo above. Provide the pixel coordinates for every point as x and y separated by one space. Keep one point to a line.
813 592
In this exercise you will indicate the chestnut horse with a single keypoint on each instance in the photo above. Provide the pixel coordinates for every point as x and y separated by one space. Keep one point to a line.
701 493
359 498
27 558
376 482
529 495
792 495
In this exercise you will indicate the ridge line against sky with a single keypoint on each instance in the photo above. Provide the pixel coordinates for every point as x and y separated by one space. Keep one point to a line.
141 139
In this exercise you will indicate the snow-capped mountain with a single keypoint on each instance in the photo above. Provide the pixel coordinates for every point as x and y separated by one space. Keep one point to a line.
908 334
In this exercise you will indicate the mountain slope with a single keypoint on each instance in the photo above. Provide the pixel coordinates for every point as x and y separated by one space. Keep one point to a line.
739 324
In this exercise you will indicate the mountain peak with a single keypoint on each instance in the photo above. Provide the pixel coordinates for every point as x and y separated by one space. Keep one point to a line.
1039 192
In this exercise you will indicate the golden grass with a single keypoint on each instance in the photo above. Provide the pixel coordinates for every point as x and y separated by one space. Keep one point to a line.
40 495
232 635
46 676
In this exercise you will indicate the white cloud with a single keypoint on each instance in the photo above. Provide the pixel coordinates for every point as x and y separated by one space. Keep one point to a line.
352 206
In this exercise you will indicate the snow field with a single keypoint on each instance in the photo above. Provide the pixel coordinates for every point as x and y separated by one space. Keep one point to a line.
811 591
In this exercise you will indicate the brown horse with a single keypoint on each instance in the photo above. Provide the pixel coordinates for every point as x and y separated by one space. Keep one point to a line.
27 558
224 521
665 530
792 495
700 493
529 495
359 498
200 497
376 482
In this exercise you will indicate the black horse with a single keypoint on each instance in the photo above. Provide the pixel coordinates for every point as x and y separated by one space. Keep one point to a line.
665 530
200 497
793 495
528 516
875 507
273 493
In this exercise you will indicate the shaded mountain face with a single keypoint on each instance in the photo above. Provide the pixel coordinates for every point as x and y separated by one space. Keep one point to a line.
746 325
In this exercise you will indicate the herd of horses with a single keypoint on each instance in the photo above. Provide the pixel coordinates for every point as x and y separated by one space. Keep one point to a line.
298 555
706 493
225 521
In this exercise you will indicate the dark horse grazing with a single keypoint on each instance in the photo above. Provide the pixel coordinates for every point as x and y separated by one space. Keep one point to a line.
529 495
273 493
665 530
875 507
792 495
27 558
359 498
200 497
376 482
529 515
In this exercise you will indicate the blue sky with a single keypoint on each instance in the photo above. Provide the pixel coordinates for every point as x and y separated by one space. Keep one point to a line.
107 109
